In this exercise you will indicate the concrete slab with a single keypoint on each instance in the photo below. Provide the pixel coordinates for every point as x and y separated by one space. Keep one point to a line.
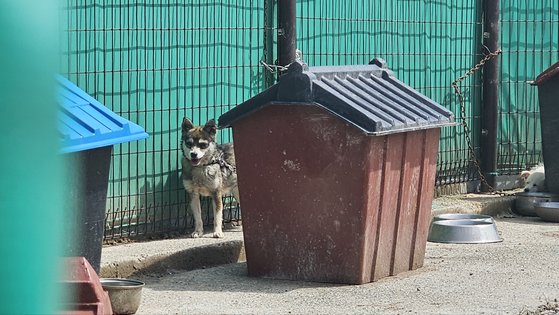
520 273
490 204
467 279
185 253
164 256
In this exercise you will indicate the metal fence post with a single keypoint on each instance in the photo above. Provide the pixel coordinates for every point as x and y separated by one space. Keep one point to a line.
269 41
489 112
286 32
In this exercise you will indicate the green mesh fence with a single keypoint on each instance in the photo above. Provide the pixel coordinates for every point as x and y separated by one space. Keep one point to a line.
154 62
530 41
427 44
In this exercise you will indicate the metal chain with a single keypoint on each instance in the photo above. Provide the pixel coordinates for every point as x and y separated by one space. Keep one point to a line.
274 68
277 68
458 92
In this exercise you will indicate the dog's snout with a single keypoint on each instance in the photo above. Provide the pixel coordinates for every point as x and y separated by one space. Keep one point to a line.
193 155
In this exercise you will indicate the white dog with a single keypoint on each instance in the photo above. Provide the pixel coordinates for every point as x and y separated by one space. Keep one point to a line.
534 179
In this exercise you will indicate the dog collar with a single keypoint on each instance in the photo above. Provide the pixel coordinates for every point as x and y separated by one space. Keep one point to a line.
220 160
222 164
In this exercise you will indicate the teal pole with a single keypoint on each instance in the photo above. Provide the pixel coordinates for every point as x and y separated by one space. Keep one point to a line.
31 188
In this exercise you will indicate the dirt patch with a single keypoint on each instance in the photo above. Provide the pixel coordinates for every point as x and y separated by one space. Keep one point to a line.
143 238
549 308
232 225
552 234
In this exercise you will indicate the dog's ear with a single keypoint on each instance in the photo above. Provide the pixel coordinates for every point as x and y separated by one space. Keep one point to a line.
524 175
210 127
186 124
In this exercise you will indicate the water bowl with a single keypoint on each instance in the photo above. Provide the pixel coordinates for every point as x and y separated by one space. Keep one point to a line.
548 211
526 201
125 294
463 232
463 216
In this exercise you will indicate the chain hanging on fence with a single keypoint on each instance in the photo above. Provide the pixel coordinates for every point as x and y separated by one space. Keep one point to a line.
274 69
455 85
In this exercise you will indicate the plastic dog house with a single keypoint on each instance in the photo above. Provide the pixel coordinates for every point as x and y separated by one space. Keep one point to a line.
548 94
88 132
336 169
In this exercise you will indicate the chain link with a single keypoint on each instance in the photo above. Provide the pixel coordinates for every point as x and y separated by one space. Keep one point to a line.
274 68
455 85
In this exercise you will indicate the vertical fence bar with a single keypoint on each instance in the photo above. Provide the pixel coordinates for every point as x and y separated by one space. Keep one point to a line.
488 139
269 40
286 32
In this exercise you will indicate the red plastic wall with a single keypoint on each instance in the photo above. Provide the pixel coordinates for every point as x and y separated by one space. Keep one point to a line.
324 202
86 295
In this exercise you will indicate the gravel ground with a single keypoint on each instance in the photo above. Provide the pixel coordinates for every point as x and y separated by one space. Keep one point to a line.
515 276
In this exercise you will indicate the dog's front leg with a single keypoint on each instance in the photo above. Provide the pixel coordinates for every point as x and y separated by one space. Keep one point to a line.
197 213
218 215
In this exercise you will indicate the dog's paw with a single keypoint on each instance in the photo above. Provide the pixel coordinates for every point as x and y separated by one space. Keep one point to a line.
218 234
197 234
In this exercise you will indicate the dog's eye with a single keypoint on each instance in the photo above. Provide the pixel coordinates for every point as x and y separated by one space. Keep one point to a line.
188 144
203 145
534 185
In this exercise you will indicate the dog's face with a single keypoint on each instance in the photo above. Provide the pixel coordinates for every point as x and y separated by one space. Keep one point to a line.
197 140
534 181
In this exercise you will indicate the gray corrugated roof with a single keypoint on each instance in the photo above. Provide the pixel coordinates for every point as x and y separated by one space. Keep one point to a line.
367 96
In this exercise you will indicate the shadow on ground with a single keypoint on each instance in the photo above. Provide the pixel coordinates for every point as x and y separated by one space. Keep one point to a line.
227 278
192 258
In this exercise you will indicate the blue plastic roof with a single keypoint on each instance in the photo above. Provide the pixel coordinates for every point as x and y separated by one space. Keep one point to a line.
84 123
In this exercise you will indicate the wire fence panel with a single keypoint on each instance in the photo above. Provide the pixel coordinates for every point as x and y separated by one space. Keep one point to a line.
428 44
530 41
154 62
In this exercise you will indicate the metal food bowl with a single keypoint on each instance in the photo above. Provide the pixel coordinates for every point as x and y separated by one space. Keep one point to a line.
548 211
125 294
463 216
463 232
525 202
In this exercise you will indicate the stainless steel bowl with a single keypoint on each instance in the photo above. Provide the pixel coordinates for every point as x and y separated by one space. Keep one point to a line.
463 216
463 232
125 294
525 202
548 211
